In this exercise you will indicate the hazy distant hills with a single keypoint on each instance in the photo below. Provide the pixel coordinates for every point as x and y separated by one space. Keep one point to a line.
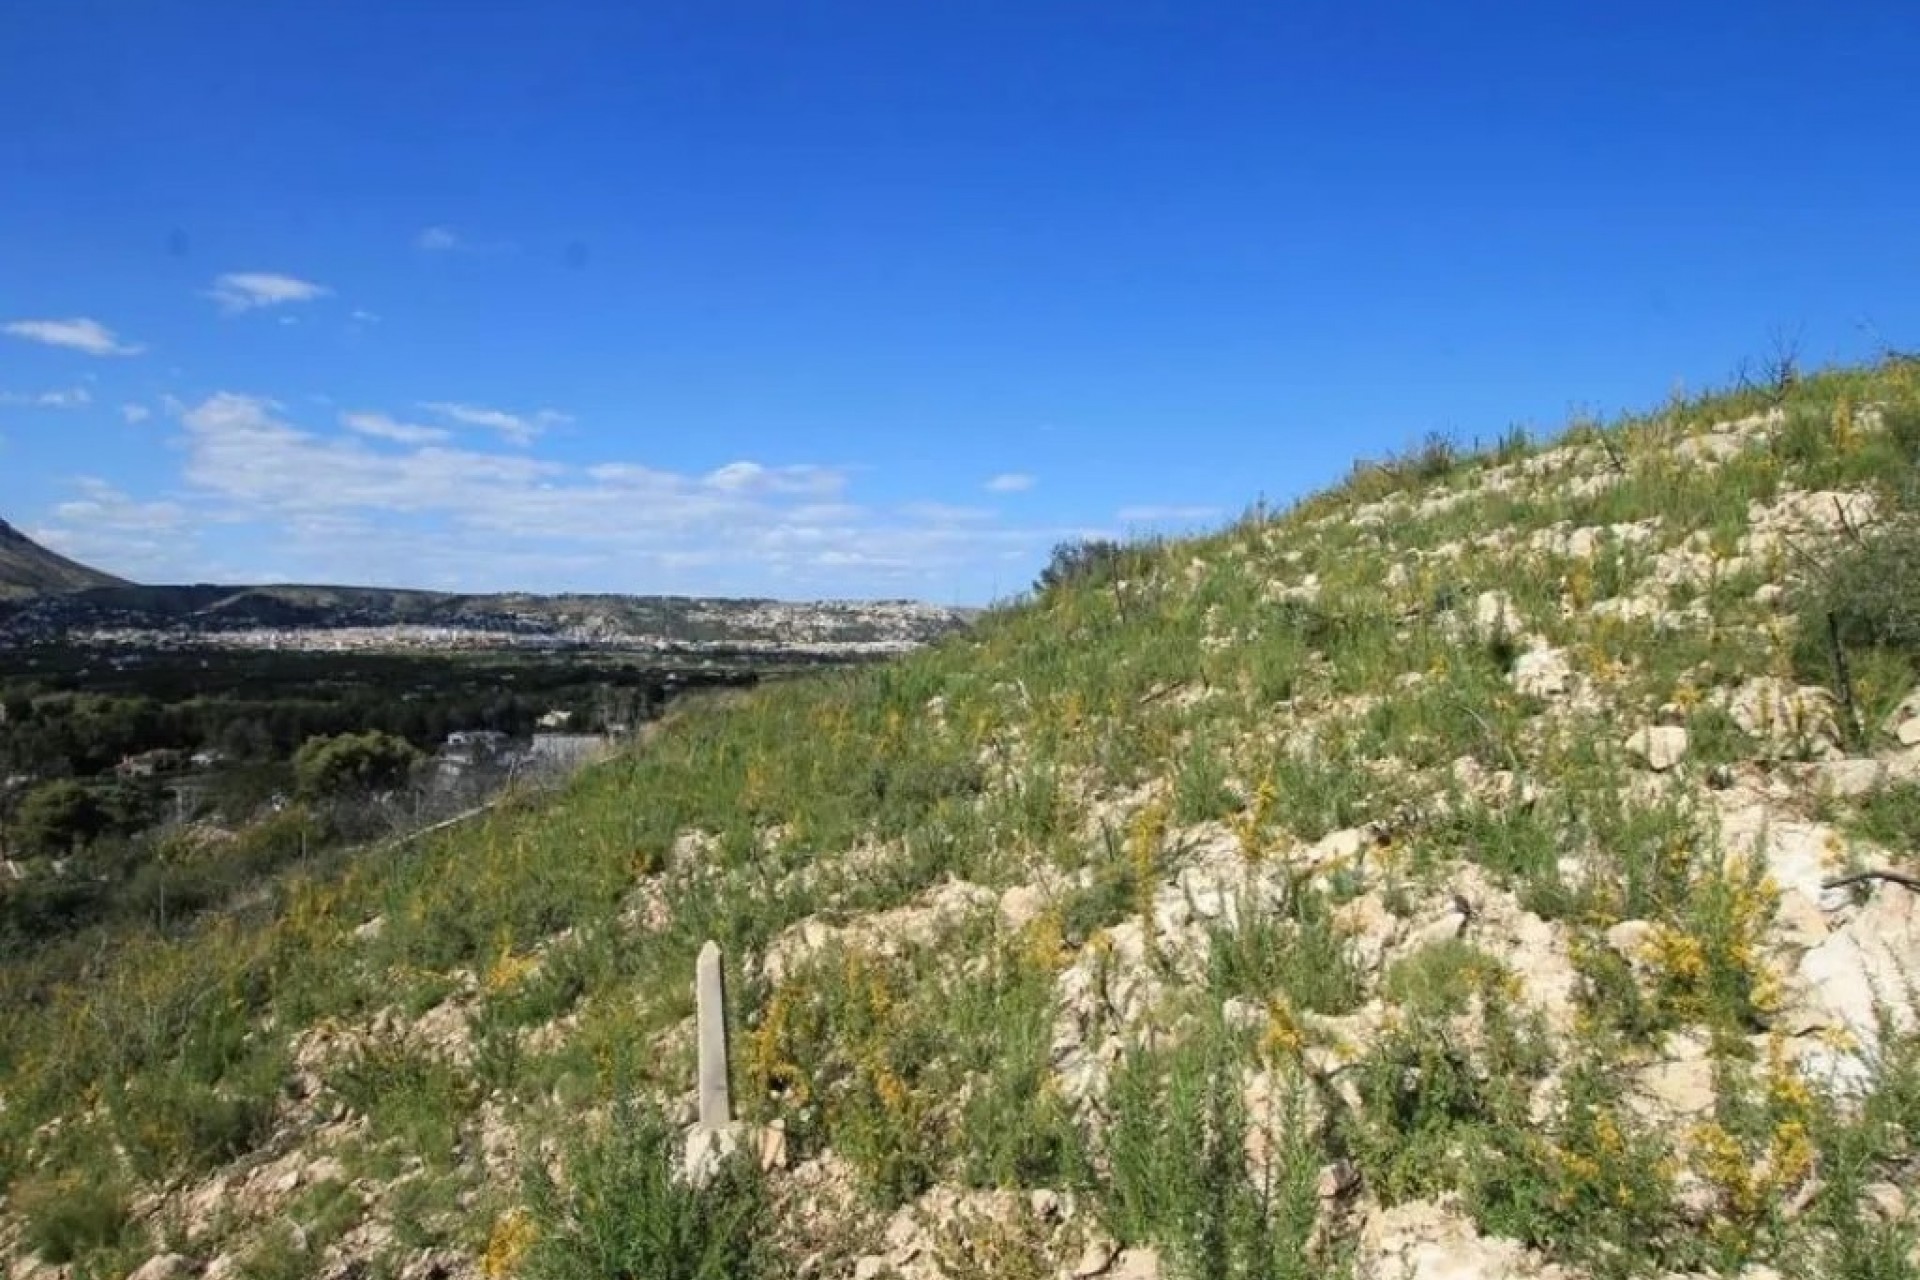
45 598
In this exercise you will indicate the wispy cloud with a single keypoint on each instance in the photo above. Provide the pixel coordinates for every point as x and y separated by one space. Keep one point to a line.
520 428
135 413
239 291
381 427
444 239
77 334
368 503
106 527
1011 482
65 398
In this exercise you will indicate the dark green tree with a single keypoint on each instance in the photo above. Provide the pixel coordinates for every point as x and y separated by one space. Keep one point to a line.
56 818
349 763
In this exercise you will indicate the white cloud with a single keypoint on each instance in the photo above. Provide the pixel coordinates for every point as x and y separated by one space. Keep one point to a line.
239 291
1166 514
1011 482
380 427
752 477
444 239
516 427
342 507
78 334
66 398
361 315
111 530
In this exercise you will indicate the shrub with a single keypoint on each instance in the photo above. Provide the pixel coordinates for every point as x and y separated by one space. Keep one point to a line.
73 1216
1890 817
1180 1178
353 762
58 817
624 1212
1087 561
408 1097
1871 591
1441 978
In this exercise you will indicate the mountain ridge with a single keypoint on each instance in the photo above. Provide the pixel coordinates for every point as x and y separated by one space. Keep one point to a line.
28 569
45 598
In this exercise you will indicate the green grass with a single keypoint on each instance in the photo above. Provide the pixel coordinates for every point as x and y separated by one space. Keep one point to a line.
1086 732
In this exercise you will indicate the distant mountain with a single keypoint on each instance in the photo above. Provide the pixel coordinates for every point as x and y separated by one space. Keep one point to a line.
376 618
46 598
29 569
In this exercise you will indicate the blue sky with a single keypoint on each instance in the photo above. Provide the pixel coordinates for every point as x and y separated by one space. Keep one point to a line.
882 299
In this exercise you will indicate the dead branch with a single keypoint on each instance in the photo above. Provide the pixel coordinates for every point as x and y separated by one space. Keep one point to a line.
1901 878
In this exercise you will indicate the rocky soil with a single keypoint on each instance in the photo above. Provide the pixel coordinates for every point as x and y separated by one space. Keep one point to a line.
1523 748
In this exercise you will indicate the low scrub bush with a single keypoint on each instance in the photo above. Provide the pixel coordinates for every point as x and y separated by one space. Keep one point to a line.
1179 1174
73 1216
622 1211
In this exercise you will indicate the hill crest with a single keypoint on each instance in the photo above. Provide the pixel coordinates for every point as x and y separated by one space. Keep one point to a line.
29 569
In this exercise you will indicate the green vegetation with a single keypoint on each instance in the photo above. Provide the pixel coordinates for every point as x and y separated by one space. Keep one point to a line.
622 1212
353 764
1127 894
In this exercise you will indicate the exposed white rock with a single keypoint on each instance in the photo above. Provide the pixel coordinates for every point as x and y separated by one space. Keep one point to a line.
1660 747
1630 938
164 1266
1494 615
1021 905
1904 721
1421 1240
1677 1090
1137 1264
917 924
1869 964
1542 673
1799 720
1848 778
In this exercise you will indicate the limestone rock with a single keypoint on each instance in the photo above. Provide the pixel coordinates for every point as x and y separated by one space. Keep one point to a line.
1542 673
1849 778
1675 1091
1449 926
1421 1240
164 1266
707 1148
1660 747
1885 1200
1136 1264
1904 721
1494 615
1872 962
1629 938
1021 905
1095 1259
1798 720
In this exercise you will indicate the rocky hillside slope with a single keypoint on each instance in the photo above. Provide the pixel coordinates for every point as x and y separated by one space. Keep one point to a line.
29 569
1498 866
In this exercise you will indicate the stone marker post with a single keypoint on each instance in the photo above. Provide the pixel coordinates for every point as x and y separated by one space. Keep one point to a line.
710 1002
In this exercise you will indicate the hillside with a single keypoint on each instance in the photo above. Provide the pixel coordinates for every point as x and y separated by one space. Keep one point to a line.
29 569
1497 866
